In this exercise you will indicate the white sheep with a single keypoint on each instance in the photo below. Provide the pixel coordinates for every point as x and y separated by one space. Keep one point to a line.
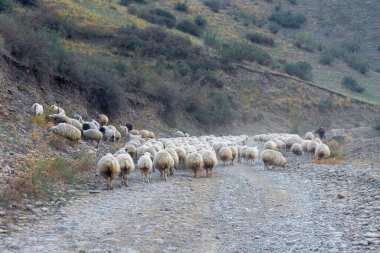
273 158
77 124
134 132
57 109
37 109
103 119
58 118
89 125
291 140
175 157
92 134
311 146
309 136
126 166
108 134
123 131
179 134
194 161
297 149
163 161
322 151
209 161
181 152
131 150
144 134
242 153
67 131
225 155
151 135
109 168
78 117
251 153
234 151
270 145
145 166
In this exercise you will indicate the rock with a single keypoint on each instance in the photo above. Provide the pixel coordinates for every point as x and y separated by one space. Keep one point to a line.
340 196
94 191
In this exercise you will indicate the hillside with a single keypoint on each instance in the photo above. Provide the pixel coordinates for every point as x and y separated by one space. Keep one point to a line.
148 61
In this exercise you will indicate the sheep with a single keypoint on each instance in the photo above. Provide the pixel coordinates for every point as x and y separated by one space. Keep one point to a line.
97 124
291 140
129 126
304 145
151 135
322 151
92 134
194 161
58 118
179 134
89 125
77 117
175 157
134 132
103 119
123 131
181 152
151 150
108 168
273 158
270 145
117 133
311 146
144 134
242 153
234 152
108 134
131 150
67 131
126 167
209 161
297 149
145 165
163 161
225 155
57 110
279 143
251 153
309 136
37 109
77 124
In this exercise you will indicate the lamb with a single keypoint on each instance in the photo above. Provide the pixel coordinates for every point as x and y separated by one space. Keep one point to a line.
270 145
67 131
145 166
194 161
251 153
58 118
93 134
103 119
322 151
225 155
273 158
179 134
309 136
37 109
209 161
297 149
234 152
109 168
163 161
126 166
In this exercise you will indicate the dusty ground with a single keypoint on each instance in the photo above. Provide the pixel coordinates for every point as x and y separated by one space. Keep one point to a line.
241 209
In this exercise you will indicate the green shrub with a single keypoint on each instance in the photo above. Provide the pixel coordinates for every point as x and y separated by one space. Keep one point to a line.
5 5
326 58
357 62
287 19
181 7
351 84
300 69
211 39
154 16
306 42
325 104
376 125
239 50
351 46
378 48
200 21
127 2
260 39
273 27
216 5
221 109
189 27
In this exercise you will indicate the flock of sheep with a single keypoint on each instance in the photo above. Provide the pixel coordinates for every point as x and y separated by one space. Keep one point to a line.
144 151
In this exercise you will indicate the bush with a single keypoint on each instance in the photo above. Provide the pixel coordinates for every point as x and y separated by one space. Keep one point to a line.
216 5
299 69
28 2
376 125
326 104
378 48
5 5
200 21
260 39
351 46
351 84
273 27
221 109
181 7
287 19
127 2
294 2
357 62
326 58
307 42
155 16
189 27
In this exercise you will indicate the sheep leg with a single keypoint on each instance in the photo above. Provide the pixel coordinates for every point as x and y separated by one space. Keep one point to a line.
126 180
109 183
